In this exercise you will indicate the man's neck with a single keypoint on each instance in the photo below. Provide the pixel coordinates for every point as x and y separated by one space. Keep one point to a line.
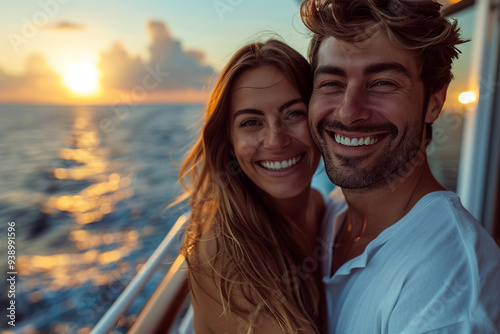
383 205
370 211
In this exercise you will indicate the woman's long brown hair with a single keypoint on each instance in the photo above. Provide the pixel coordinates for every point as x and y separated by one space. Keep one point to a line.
256 252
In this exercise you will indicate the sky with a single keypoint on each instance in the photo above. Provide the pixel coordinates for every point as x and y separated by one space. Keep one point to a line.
129 51
127 41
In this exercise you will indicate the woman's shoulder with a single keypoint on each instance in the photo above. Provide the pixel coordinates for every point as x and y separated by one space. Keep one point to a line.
213 312
203 253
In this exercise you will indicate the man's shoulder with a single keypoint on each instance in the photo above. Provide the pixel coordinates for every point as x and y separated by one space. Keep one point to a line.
441 217
446 257
448 242
444 212
442 207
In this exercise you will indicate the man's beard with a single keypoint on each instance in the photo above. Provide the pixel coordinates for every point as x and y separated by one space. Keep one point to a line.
345 172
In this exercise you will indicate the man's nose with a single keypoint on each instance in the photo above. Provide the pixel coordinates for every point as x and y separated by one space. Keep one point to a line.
354 106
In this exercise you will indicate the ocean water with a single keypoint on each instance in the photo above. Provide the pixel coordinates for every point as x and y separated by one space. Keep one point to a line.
87 186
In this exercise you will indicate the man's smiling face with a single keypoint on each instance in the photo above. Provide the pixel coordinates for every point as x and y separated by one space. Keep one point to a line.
366 113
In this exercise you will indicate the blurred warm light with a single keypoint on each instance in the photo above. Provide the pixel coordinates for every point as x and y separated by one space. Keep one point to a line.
125 182
467 97
42 262
61 268
81 77
133 235
78 235
147 230
89 217
64 203
123 267
102 279
123 321
108 239
110 256
77 155
84 330
60 173
88 139
91 255
36 296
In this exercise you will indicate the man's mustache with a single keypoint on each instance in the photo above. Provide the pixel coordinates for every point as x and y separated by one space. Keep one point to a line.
368 128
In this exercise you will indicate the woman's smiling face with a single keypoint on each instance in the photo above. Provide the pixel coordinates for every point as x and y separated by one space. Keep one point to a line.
270 133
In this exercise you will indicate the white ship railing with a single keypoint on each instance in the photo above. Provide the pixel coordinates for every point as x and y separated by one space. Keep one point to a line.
176 276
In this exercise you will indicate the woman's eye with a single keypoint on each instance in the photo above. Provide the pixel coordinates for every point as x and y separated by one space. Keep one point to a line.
296 114
249 122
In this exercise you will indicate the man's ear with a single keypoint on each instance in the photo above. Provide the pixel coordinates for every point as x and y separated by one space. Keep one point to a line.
435 105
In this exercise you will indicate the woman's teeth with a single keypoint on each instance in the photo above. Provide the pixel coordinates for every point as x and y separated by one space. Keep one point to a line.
346 141
277 165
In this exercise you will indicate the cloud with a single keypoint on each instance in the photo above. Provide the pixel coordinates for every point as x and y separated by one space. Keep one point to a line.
119 70
38 76
67 25
39 83
4 80
169 71
185 68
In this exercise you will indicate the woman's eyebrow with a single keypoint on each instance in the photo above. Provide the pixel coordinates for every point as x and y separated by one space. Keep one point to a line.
247 111
260 112
291 103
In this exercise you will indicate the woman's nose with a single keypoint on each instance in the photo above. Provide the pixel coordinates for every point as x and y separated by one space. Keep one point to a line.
276 137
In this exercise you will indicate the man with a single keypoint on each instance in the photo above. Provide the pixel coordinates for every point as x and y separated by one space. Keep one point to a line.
404 255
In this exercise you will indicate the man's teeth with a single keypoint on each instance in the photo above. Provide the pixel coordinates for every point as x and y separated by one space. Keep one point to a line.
355 141
276 165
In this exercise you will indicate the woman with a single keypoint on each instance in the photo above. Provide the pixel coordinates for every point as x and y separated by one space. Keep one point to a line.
254 217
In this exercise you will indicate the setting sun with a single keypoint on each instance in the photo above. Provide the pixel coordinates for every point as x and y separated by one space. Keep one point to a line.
81 77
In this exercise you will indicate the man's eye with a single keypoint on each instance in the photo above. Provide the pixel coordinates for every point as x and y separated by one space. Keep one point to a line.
330 85
384 83
384 86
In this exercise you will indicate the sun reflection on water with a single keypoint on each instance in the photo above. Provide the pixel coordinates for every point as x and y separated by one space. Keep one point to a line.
70 270
98 199
99 256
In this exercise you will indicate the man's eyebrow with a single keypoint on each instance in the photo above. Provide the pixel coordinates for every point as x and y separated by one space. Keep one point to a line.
371 69
386 67
260 112
329 69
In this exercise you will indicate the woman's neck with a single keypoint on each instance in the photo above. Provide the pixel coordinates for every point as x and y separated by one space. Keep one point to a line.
306 212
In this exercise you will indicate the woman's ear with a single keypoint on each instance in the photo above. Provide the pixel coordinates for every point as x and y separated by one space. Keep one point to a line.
435 105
